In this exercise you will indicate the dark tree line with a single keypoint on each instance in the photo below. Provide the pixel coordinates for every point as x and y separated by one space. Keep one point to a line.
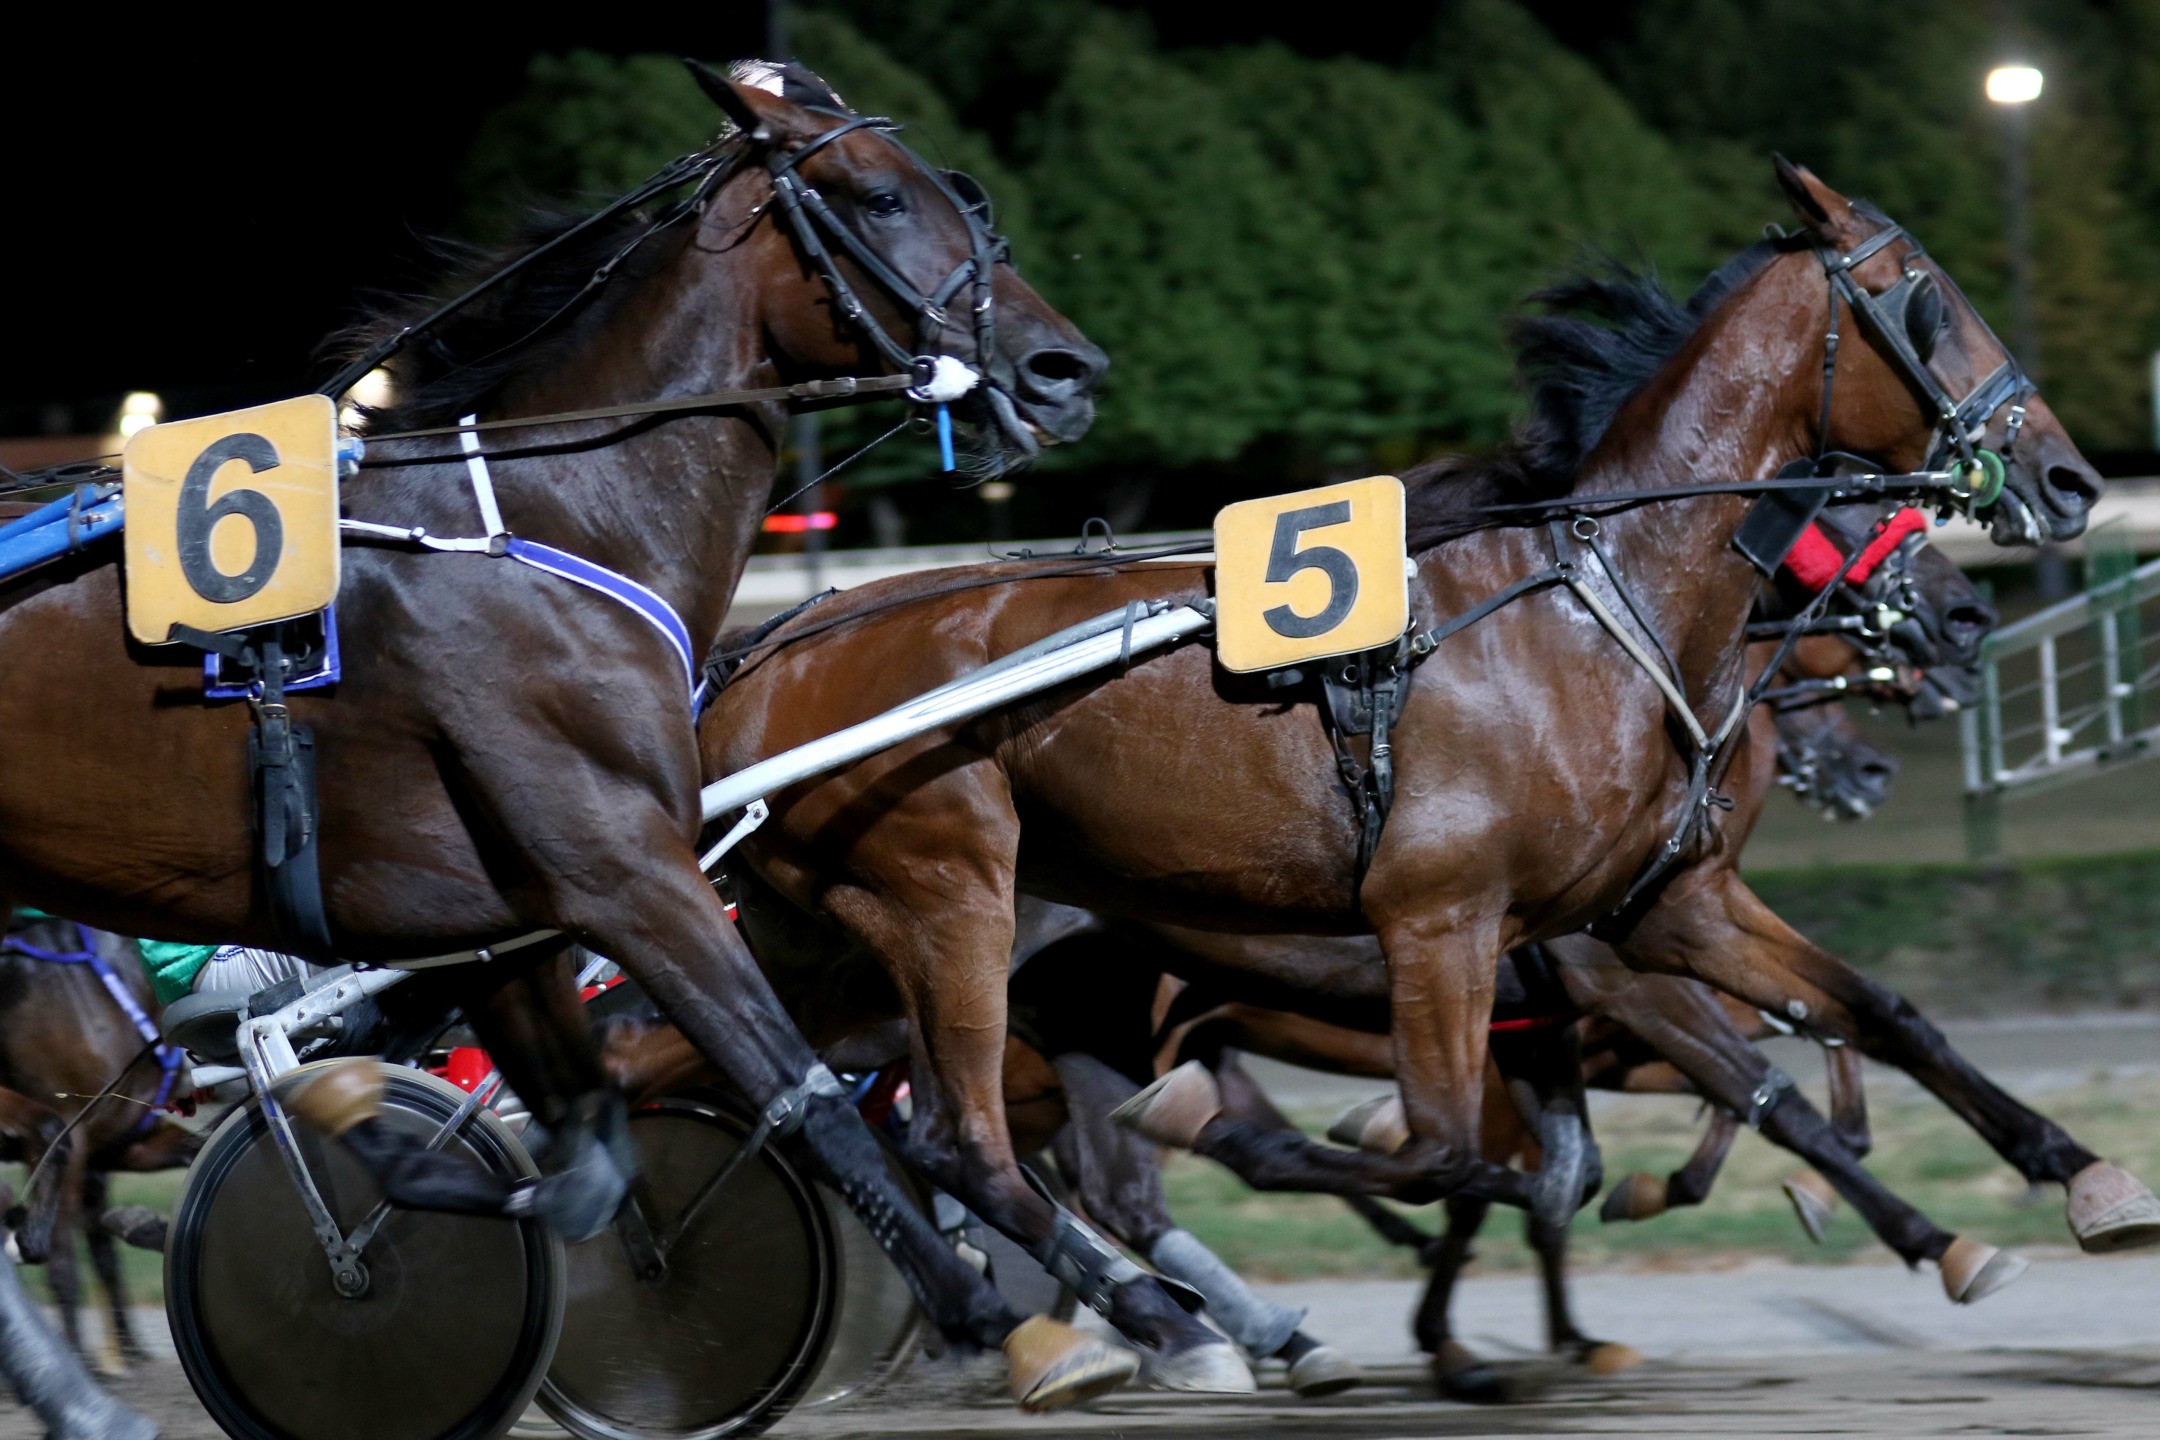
1300 265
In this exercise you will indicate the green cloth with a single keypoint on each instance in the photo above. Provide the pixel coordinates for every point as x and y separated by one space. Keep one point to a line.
173 966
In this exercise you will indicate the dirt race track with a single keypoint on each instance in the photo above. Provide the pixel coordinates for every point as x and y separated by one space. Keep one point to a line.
2072 1349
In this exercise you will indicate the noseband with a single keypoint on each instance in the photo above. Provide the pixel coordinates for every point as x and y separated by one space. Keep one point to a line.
1890 315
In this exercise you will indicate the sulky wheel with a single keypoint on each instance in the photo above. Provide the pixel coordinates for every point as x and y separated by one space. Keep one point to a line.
730 1331
448 1340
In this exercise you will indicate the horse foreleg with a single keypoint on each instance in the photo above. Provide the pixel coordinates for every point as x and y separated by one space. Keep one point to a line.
62 1271
1848 1098
1458 1370
124 1349
1711 925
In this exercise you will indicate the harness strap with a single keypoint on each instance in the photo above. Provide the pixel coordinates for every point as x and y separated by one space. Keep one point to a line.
169 1057
483 485
642 600
617 587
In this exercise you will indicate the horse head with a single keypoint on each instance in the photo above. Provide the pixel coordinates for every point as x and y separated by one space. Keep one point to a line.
875 257
1829 765
1822 756
1926 346
1908 597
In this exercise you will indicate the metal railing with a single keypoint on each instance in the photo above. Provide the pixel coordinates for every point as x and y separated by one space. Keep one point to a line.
2074 689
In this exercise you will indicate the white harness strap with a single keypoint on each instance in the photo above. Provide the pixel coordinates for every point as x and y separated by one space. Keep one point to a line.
483 486
501 544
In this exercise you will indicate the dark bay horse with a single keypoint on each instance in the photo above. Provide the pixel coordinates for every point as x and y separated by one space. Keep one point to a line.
1537 769
508 752
63 1039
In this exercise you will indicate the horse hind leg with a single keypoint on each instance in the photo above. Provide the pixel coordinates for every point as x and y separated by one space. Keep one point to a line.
1119 1182
957 1136
1718 930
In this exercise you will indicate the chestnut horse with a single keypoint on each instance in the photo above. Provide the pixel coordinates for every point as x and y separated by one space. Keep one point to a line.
1538 773
508 752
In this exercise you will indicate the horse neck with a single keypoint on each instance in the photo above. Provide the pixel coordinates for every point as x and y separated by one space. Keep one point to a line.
1737 403
673 503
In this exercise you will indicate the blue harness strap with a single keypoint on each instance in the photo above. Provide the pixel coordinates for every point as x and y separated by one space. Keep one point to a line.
617 587
89 513
499 543
169 1057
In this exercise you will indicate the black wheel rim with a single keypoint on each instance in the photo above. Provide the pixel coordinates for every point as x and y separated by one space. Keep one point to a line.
451 1339
729 1338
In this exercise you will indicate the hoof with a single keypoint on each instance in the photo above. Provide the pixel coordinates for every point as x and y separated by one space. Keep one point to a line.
1461 1375
1215 1369
1972 1271
1174 1109
1638 1197
1324 1370
2110 1209
136 1225
1602 1357
1813 1202
334 1097
1378 1125
1050 1365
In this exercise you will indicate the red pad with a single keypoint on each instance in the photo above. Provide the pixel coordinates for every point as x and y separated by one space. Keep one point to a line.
1814 561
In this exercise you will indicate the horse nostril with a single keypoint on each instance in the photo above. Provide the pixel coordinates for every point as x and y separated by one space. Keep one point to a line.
2071 489
1054 374
1967 623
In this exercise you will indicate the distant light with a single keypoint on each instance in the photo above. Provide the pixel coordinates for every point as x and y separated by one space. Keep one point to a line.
138 412
2013 84
797 524
996 491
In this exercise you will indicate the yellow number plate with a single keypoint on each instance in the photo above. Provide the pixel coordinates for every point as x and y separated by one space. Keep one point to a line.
1316 573
232 519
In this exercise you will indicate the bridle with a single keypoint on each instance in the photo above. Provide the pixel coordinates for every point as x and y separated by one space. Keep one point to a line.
813 224
927 377
1907 341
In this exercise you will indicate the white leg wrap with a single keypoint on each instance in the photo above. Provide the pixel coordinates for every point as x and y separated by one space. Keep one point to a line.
1261 1326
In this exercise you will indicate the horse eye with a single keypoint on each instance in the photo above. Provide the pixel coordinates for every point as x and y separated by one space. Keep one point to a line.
1924 317
885 202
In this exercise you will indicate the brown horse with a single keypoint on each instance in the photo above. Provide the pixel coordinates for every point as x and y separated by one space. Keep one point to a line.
1084 1028
508 752
64 1038
1538 774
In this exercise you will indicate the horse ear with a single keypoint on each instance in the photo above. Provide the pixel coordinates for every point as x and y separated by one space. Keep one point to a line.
722 92
804 86
1818 204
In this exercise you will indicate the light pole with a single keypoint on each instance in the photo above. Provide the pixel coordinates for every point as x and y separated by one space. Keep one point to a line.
2012 88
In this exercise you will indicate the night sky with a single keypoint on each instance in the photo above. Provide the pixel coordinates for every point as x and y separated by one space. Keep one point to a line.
193 214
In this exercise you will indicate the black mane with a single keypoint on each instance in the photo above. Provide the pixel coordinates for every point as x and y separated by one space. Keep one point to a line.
449 372
1604 332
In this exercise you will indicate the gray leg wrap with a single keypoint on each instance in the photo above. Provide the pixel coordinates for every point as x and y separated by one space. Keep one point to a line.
1084 1263
1261 1326
1559 1184
51 1380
